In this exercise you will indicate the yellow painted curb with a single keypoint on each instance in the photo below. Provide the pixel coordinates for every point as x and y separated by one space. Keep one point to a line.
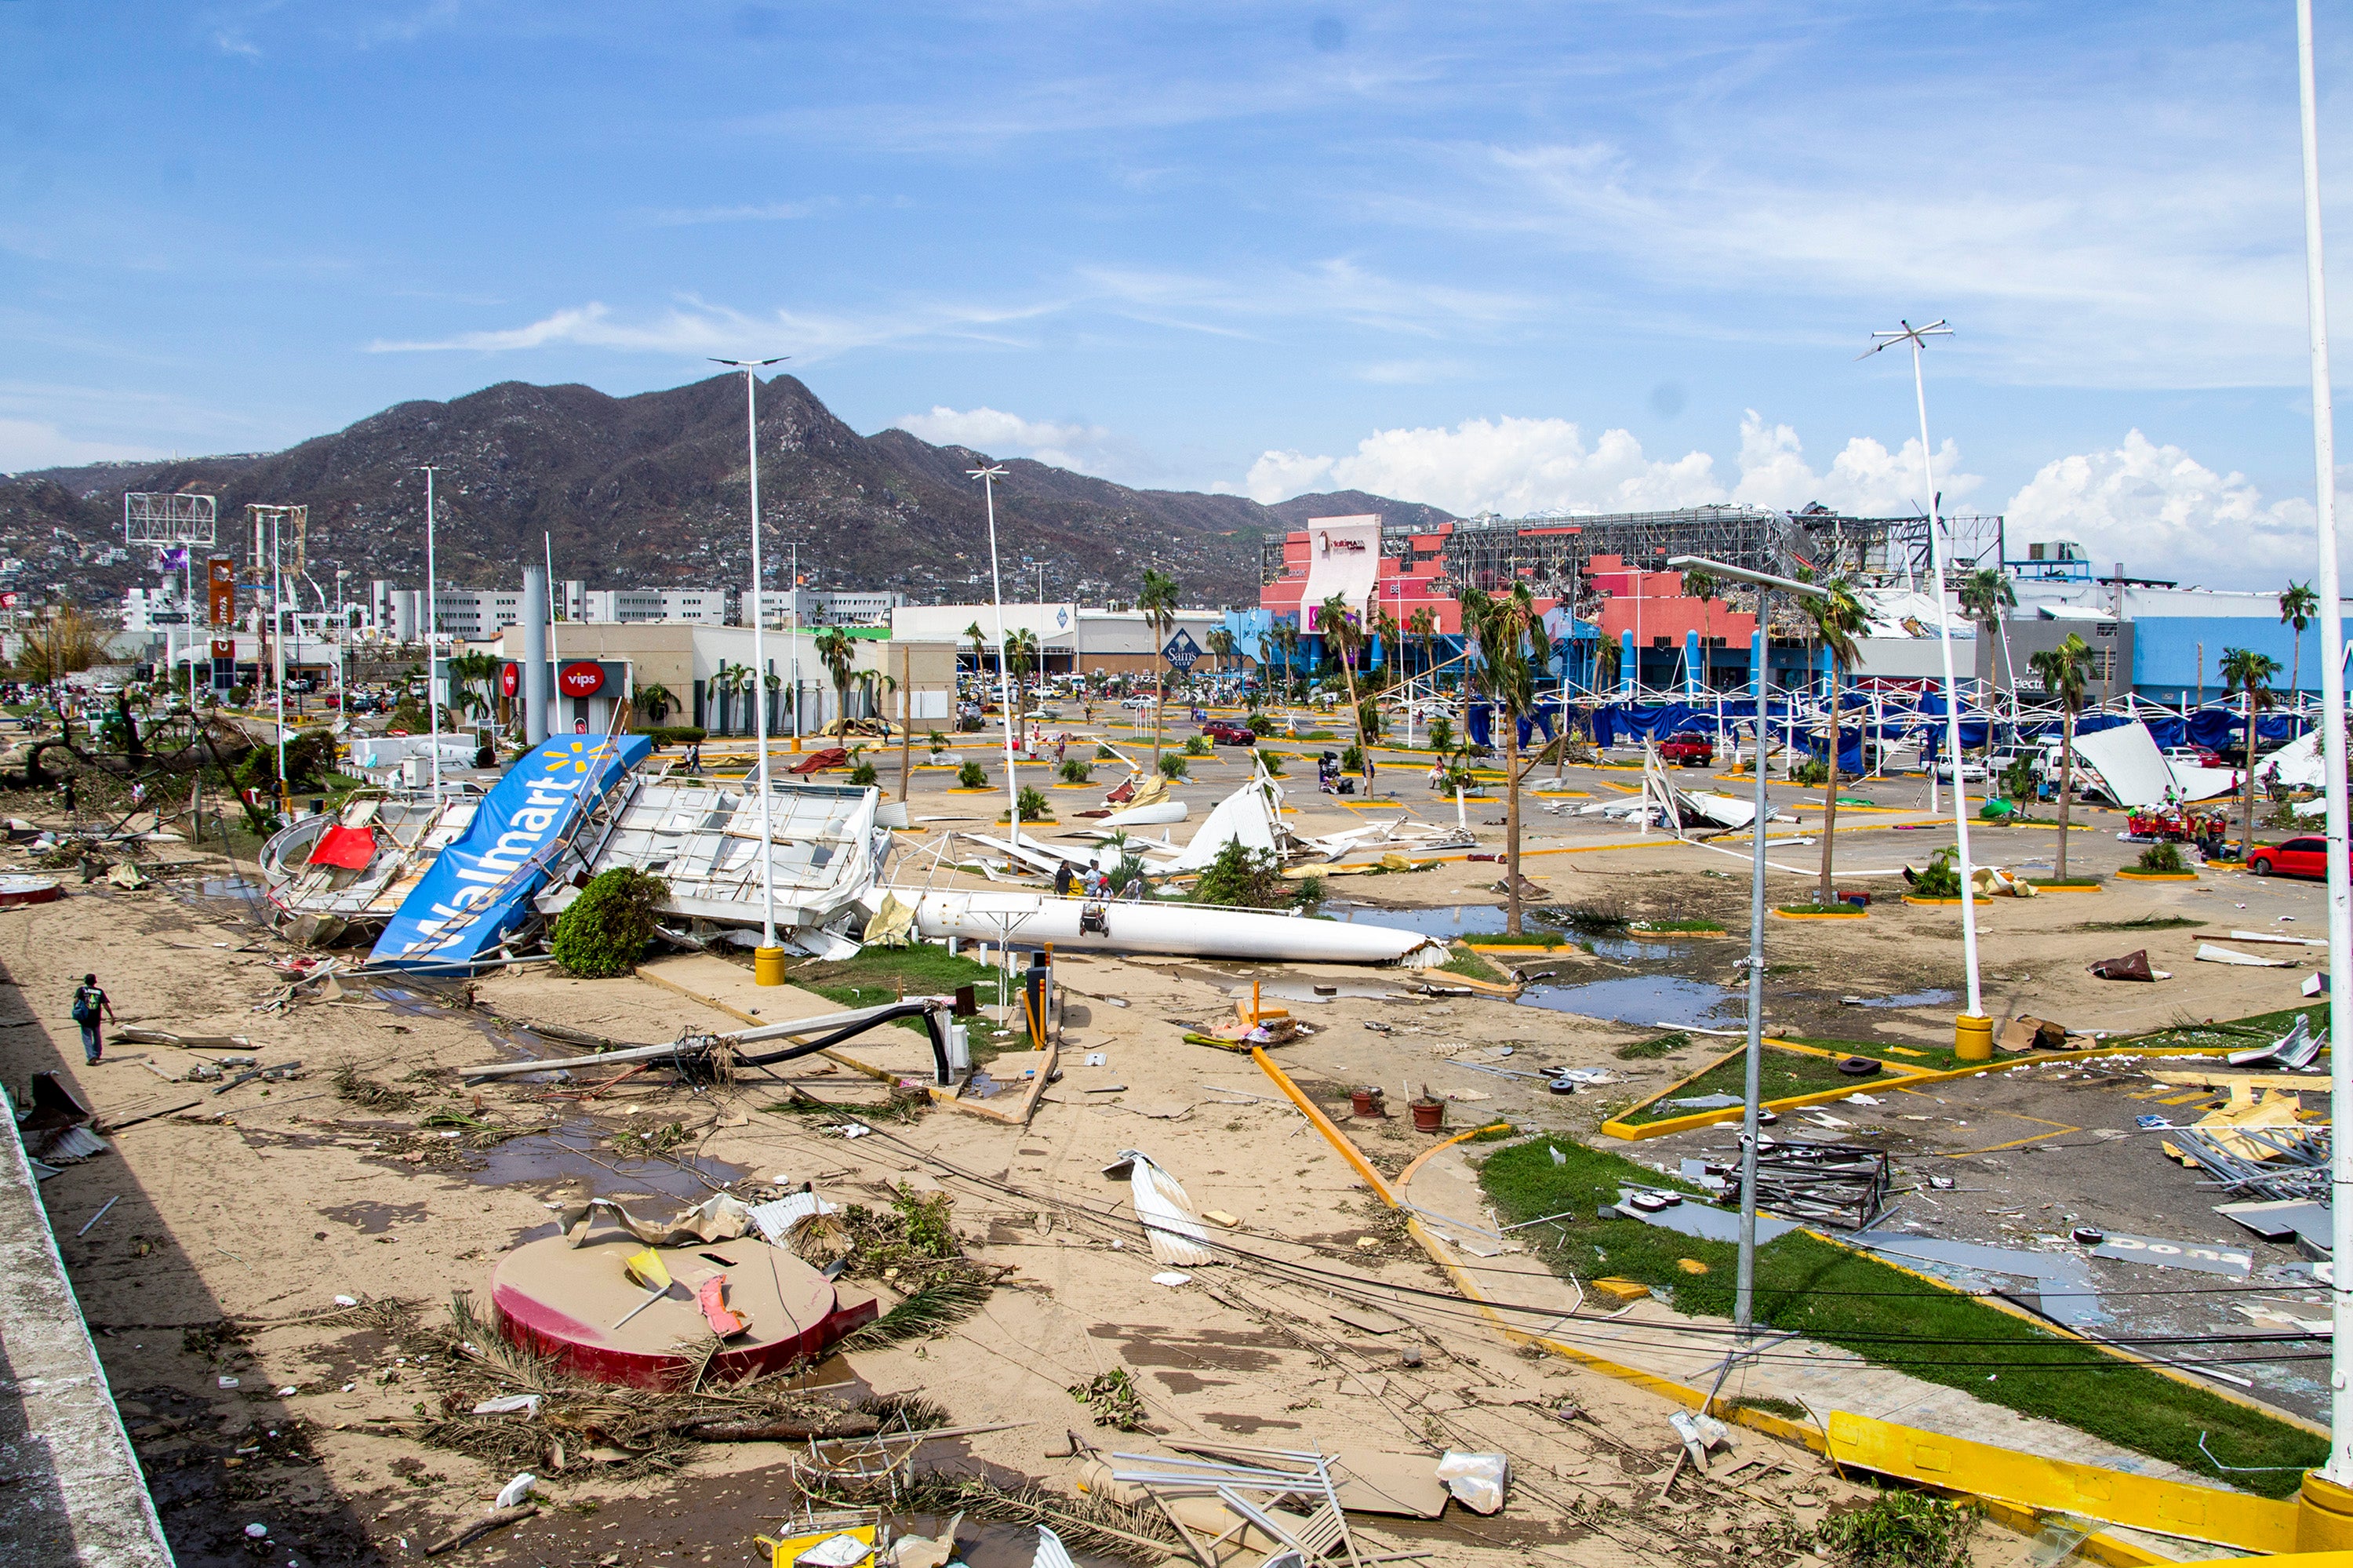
1827 914
1903 1075
1914 898
1078 786
2102 1549
984 790
2063 887
2114 1497
2163 876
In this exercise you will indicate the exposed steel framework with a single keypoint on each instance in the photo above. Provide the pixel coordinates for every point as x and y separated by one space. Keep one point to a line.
1554 554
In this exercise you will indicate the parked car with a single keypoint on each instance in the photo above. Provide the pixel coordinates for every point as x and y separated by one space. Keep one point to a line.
1225 731
1138 703
1973 771
1688 749
2297 857
2195 756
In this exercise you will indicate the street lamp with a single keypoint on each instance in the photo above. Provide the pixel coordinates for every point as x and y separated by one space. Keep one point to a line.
988 474
432 615
1972 1031
768 961
2338 1471
1744 1299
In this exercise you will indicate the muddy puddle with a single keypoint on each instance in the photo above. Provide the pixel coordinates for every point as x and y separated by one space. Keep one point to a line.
578 1153
1668 1002
1934 998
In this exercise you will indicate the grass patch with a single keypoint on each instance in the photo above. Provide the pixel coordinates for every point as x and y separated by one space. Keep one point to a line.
1783 1074
2146 923
877 974
1650 1050
1787 1409
2064 882
1666 926
1492 1134
1525 940
2238 1031
1891 1318
1461 960
1819 908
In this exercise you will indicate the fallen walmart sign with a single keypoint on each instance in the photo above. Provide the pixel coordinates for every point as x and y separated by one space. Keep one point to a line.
475 892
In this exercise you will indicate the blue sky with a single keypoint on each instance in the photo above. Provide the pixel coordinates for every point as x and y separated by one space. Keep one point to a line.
1507 256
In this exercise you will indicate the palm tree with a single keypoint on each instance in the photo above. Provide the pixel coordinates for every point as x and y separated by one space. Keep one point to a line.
835 649
979 651
1021 658
1984 594
1837 621
2298 605
1503 626
1285 638
657 700
1423 624
1699 586
2066 672
1220 644
2246 671
725 681
1344 634
1158 602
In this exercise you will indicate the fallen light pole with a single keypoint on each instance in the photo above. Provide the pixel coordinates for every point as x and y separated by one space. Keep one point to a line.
702 1056
1744 1299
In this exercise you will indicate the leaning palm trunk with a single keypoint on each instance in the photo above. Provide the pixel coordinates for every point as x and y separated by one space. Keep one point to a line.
1830 798
1364 743
1511 822
2066 784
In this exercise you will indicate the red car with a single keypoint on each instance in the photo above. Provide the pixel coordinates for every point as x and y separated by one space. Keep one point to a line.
2297 857
1689 750
1224 732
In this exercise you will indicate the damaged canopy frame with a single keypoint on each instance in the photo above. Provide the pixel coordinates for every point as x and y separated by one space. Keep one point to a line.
701 1058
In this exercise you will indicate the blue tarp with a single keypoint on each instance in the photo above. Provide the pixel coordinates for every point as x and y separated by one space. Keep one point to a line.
479 889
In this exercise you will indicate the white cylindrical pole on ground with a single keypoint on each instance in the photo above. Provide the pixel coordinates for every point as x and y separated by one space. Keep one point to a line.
2339 1468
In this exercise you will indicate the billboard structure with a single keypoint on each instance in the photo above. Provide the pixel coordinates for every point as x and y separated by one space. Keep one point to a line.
173 523
1345 558
220 614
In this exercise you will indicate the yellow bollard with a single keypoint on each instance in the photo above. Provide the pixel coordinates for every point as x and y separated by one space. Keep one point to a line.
767 966
1972 1037
2324 1515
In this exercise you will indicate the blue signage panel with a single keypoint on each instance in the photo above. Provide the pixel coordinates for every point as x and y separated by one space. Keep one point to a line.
475 893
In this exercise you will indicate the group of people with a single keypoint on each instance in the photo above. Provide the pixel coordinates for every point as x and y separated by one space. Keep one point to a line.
1093 883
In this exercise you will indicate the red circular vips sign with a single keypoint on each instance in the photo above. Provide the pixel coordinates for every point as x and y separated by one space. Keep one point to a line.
510 680
581 680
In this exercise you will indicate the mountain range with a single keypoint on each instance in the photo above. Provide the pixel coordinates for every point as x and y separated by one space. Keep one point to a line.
649 490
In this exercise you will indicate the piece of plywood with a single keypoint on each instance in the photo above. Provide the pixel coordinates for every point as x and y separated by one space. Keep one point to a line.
1024 1074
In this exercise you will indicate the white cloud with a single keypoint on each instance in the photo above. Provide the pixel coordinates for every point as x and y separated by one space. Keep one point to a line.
1518 466
2160 511
1083 448
1865 480
698 329
27 444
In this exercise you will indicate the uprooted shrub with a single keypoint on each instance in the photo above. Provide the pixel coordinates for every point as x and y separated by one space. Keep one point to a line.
606 929
1901 1530
2163 858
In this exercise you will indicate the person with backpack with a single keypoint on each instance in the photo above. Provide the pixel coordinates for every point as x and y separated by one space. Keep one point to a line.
89 1004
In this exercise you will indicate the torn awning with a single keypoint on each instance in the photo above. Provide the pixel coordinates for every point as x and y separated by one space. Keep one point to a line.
349 847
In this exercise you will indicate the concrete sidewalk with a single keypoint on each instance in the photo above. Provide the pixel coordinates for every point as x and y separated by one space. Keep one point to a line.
74 1492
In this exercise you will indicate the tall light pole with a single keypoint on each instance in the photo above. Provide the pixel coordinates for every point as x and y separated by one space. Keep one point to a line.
1744 1297
432 620
768 962
988 475
1972 1031
2339 1468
